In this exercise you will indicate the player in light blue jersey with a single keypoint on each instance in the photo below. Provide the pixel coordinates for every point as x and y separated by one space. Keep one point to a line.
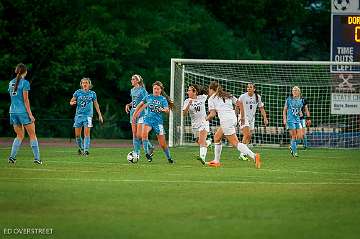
155 104
84 99
20 114
291 117
138 92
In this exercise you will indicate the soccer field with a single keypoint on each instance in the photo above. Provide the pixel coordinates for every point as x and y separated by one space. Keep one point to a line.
314 196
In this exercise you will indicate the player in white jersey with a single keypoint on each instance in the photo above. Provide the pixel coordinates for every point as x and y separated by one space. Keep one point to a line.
248 103
195 106
222 103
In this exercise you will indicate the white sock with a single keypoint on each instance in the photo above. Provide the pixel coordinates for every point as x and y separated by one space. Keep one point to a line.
217 152
203 151
245 150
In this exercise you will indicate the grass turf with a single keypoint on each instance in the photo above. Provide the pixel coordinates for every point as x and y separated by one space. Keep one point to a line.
314 196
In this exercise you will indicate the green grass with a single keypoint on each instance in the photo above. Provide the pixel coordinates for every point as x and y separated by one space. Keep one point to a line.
314 196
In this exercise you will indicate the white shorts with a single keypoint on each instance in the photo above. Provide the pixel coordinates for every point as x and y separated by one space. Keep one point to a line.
204 126
247 123
228 127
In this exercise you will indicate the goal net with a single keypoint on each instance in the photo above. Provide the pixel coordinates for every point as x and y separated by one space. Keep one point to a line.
331 90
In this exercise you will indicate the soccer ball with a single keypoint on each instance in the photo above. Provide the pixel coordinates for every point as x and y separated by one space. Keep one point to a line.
341 4
132 158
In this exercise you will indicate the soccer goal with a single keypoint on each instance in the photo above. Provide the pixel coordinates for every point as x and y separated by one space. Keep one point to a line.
332 90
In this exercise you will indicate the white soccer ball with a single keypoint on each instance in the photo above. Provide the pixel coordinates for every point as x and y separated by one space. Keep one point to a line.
132 157
341 4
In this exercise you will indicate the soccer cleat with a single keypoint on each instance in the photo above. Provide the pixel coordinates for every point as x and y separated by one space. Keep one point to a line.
86 153
80 152
291 151
213 164
12 160
151 151
149 157
295 155
243 157
201 160
37 161
171 160
257 161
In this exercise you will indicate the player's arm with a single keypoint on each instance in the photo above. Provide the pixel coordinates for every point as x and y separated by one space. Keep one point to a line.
211 115
186 109
128 107
97 107
285 114
140 107
240 105
165 110
307 112
27 105
263 113
73 101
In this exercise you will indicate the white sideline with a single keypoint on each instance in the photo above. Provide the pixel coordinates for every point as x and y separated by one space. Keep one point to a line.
180 181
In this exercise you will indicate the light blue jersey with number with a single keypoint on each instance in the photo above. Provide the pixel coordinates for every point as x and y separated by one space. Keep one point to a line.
153 109
294 106
137 95
84 102
17 99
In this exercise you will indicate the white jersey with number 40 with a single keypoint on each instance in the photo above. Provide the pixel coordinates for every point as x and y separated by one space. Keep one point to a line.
250 105
197 110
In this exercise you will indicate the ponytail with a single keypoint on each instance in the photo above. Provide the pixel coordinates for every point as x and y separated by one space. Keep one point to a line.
219 91
19 70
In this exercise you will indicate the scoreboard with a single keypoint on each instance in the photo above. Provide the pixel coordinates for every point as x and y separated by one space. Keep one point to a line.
345 34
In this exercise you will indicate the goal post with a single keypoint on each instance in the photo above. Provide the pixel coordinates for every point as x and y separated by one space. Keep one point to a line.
332 90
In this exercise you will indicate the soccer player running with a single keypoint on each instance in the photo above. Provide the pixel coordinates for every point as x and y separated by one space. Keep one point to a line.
222 103
138 92
291 118
195 106
20 114
248 103
155 104
84 99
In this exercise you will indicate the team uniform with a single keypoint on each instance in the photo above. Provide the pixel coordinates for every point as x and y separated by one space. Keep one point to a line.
19 116
197 114
137 94
226 113
294 106
18 113
250 105
153 116
84 108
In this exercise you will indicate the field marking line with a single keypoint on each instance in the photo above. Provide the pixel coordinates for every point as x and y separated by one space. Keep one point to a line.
180 181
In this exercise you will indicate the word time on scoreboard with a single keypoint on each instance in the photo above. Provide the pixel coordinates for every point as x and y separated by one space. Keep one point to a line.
345 35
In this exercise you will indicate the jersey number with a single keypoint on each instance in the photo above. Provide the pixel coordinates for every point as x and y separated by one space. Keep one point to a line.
197 108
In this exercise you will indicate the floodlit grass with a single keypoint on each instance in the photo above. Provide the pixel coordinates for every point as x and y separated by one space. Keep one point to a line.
314 196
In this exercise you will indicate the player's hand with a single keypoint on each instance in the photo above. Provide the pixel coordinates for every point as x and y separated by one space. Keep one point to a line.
32 118
308 122
135 116
190 101
73 102
101 120
127 108
284 122
266 122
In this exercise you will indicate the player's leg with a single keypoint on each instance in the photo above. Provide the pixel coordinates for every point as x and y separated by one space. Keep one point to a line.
164 146
30 129
78 139
293 142
86 140
87 123
203 145
19 130
217 148
136 132
242 148
145 139
245 140
140 126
